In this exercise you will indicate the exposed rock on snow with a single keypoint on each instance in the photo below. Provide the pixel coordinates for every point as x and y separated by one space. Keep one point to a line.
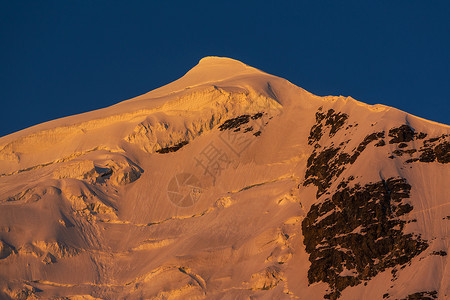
375 210
228 183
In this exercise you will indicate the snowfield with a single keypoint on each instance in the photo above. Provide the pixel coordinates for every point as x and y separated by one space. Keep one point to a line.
229 183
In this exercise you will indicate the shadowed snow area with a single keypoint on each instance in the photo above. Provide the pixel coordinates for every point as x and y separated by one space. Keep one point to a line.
228 183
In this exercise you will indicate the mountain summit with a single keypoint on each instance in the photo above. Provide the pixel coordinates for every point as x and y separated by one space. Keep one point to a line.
227 183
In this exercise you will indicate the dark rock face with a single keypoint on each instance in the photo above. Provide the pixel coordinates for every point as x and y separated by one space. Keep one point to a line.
357 232
332 120
367 140
400 152
236 123
401 134
172 148
257 116
324 166
380 143
422 296
421 135
440 152
358 229
335 120
230 124
433 149
427 155
440 253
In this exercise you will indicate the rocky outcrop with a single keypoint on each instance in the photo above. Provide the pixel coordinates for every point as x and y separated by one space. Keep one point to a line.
402 134
173 148
297 212
210 108
427 295
357 233
236 123
331 120
435 149
326 165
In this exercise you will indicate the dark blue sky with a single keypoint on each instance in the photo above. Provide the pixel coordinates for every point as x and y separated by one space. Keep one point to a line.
60 58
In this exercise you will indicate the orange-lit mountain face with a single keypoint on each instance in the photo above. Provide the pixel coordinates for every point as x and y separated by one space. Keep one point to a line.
228 183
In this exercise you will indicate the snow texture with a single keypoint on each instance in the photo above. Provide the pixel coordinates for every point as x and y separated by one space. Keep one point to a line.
228 183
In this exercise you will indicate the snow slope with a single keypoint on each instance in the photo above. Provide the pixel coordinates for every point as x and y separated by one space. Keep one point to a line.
228 183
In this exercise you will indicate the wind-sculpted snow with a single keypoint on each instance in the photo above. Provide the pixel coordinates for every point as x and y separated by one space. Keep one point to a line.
181 125
228 183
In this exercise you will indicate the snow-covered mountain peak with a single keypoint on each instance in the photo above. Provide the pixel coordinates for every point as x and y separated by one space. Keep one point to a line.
227 183
223 61
210 70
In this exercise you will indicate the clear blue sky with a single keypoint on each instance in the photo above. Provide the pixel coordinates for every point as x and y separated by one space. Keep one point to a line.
60 58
